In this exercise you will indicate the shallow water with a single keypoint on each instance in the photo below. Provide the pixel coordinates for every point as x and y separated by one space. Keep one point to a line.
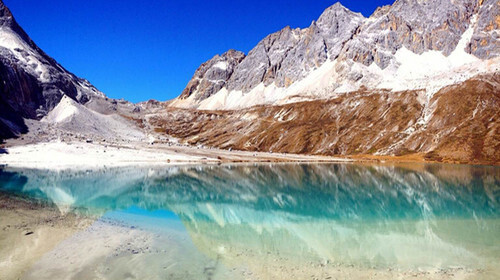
270 221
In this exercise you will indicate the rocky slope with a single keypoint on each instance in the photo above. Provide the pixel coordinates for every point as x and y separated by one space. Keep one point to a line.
408 45
212 75
33 82
33 85
460 123
417 78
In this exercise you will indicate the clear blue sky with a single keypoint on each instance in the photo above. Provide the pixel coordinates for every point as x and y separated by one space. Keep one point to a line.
140 50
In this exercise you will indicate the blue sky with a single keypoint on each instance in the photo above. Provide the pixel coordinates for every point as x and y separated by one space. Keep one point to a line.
140 50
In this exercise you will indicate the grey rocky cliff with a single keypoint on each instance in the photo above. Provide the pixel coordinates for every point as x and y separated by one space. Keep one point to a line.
212 75
418 26
32 83
289 55
485 42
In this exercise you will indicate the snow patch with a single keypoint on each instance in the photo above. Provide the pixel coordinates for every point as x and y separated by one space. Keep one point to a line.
318 84
221 65
25 54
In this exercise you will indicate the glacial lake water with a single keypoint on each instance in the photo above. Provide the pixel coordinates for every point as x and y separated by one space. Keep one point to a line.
302 221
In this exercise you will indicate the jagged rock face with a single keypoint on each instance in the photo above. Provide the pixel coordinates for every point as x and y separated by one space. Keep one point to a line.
485 42
282 57
263 61
417 25
32 82
212 75
290 54
322 40
353 42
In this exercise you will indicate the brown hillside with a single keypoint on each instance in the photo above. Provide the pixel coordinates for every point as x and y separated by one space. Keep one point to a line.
463 125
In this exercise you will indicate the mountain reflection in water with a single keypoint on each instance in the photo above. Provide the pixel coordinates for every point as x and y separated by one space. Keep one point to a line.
406 217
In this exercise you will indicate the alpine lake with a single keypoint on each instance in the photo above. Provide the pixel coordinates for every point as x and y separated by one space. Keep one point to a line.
246 221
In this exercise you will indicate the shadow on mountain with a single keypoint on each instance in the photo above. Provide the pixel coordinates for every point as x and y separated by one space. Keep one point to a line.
11 123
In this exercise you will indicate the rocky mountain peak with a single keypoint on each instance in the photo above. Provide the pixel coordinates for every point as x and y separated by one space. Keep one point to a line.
33 82
338 24
364 51
286 56
212 75
380 11
333 11
416 25
7 21
5 13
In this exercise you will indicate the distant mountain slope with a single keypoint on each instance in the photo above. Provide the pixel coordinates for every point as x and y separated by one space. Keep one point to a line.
410 45
31 82
460 123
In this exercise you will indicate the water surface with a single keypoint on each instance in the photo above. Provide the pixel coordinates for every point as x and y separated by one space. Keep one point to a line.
271 221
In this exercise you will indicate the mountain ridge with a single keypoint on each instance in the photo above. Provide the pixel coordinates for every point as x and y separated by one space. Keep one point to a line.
34 83
318 90
363 51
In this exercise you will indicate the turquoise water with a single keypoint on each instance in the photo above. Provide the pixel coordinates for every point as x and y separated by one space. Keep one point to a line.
215 222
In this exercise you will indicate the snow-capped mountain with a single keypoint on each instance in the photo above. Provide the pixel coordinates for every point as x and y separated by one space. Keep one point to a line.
32 82
410 45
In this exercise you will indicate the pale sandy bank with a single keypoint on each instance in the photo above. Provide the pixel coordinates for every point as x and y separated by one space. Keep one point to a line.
62 155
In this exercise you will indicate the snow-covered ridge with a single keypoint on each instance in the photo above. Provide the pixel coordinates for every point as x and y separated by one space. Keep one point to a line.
32 82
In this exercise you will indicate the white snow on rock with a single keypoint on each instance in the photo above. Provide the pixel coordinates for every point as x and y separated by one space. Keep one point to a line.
25 54
429 71
36 64
221 65
319 84
432 70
